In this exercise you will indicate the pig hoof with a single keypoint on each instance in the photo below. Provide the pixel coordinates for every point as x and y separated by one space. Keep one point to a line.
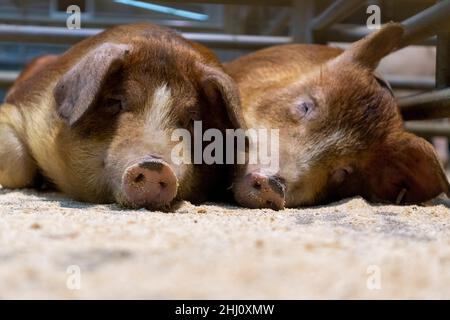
258 190
150 183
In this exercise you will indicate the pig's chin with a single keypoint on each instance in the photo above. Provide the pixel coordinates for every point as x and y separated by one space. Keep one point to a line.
258 192
156 206
302 198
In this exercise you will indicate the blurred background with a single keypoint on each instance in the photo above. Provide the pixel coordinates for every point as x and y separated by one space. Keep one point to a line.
232 28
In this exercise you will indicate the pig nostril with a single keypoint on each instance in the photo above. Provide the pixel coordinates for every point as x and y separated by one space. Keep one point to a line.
257 185
162 184
148 184
140 177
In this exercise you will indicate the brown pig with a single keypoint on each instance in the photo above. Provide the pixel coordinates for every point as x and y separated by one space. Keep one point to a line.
97 121
340 130
34 66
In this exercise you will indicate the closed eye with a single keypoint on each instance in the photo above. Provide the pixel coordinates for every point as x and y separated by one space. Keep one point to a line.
304 109
113 106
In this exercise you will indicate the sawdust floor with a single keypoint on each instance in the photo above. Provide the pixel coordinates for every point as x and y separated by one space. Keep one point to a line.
53 247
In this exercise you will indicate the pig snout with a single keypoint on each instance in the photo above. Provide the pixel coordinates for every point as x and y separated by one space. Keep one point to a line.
150 182
259 190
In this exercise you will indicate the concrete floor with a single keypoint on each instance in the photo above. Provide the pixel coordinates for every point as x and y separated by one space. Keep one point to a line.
52 247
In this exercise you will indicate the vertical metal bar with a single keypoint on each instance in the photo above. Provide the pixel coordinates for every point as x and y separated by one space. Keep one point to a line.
336 12
426 23
279 23
443 60
232 22
302 15
442 81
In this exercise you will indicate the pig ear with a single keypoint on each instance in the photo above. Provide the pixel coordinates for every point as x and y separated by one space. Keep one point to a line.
406 170
370 50
221 91
77 90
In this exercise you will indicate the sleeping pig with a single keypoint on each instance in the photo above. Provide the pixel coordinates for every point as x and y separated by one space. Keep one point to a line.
340 130
97 121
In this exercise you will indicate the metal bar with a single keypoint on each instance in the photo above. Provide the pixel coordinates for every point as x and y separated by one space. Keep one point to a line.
427 23
419 27
398 82
431 105
303 12
443 60
7 78
435 104
335 12
236 41
54 35
239 2
411 82
277 25
351 33
187 14
106 21
442 76
428 128
60 35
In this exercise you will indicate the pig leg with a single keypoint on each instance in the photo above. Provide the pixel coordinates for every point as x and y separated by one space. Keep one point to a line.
17 168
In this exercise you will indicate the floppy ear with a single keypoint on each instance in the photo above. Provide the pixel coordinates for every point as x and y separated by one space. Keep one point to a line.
371 49
77 90
405 169
222 92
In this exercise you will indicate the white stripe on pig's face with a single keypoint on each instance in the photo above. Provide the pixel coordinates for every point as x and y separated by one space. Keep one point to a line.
158 126
158 121
157 117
